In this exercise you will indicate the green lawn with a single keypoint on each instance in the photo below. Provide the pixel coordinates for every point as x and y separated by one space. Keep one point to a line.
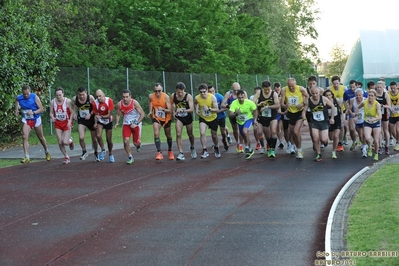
373 222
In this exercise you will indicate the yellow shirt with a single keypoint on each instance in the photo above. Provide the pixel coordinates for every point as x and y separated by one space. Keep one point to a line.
293 99
339 94
370 111
395 104
206 115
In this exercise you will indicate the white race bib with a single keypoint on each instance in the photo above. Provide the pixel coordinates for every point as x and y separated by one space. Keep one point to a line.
318 116
104 121
267 113
160 114
83 113
292 100
26 116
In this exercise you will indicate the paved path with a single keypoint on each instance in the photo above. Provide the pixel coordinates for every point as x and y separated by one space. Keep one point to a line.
226 211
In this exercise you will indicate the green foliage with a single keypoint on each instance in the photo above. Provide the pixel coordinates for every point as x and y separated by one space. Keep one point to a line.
338 62
27 58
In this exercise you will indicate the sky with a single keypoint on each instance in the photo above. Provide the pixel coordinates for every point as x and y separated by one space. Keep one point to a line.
341 20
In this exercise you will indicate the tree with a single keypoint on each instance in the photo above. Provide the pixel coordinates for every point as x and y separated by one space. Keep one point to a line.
338 62
27 58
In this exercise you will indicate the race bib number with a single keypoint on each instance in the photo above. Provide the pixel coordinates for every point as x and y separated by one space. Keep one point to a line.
370 120
318 116
61 116
335 111
83 113
181 114
382 110
25 114
206 113
104 121
267 113
286 117
293 100
242 118
131 122
395 109
160 114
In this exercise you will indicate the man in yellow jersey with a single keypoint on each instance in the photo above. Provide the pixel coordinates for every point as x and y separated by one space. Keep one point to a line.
294 98
206 107
244 111
338 91
394 118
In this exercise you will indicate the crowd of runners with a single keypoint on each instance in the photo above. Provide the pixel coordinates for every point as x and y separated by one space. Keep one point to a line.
276 115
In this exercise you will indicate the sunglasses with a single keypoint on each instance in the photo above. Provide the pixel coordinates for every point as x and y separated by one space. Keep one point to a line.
157 90
202 92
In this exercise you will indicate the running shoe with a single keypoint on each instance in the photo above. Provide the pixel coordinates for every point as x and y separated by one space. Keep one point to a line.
281 145
25 160
249 154
391 141
299 155
353 147
334 155
225 144
217 152
364 152
340 147
380 150
292 150
272 154
111 158
48 156
318 158
257 146
101 156
84 155
229 140
96 157
345 141
267 147
159 156
288 150
71 144
193 153
239 148
204 154
67 160
180 157
369 152
396 148
262 151
130 160
375 157
171 156
138 148
386 150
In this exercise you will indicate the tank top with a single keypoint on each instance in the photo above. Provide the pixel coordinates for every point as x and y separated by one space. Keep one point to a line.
61 111
360 115
337 108
395 104
206 115
267 113
319 110
130 114
370 112
83 108
293 98
231 98
383 101
182 104
28 105
159 115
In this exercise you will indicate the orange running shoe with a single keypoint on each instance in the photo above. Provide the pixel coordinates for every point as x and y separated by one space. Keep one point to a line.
171 156
159 156
340 147
257 146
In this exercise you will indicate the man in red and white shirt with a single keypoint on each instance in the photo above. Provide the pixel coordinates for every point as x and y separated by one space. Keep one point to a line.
102 108
133 114
62 113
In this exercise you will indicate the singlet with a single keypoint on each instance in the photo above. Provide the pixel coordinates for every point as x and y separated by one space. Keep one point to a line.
159 115
337 108
83 108
293 98
267 113
319 110
28 105
231 98
206 115
61 112
394 104
383 101
339 94
219 99
103 108
182 104
130 114
370 112
360 116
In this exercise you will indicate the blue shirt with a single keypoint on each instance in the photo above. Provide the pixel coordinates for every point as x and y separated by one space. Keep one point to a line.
219 99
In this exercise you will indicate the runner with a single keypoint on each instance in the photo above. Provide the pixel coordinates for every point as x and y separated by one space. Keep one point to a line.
133 116
160 111
294 99
319 105
206 107
61 113
103 107
372 122
394 118
183 108
359 118
244 110
31 108
385 102
338 90
221 118
334 129
84 114
268 104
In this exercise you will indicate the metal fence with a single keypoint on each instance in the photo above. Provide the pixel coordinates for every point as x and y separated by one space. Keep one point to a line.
113 81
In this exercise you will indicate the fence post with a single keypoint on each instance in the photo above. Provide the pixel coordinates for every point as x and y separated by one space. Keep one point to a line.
216 82
88 80
127 78
164 81
51 122
192 93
